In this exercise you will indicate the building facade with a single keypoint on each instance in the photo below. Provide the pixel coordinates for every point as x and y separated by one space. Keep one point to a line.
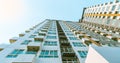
104 18
102 22
51 41
106 14
57 41
103 55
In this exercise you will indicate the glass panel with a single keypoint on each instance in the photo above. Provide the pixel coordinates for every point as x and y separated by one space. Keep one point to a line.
15 53
83 54
48 54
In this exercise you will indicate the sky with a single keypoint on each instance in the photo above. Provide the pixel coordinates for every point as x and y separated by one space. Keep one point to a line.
16 16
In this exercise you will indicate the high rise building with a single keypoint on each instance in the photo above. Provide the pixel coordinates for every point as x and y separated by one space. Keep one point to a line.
106 14
92 40
52 41
104 18
102 22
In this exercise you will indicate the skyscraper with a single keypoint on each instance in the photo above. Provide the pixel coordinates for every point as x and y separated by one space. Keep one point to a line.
104 18
53 41
102 22
93 39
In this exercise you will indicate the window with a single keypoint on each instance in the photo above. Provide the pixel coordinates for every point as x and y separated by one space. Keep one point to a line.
73 38
107 9
114 17
70 34
31 52
35 32
48 54
108 21
15 53
32 36
51 37
67 31
103 9
26 42
83 54
51 33
113 7
52 30
78 44
118 8
50 43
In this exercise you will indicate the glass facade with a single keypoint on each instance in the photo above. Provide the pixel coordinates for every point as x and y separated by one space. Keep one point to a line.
31 52
83 54
26 42
52 33
113 7
15 53
51 37
78 44
72 38
48 54
32 36
50 43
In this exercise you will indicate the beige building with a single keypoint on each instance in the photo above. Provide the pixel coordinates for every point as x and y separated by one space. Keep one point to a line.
106 14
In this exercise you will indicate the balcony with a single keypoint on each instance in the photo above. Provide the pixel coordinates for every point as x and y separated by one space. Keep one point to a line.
116 39
117 33
70 60
39 38
27 31
64 43
14 39
86 41
103 33
42 33
86 35
97 31
33 46
61 33
92 29
76 32
44 30
82 32
63 38
95 40
81 36
73 30
1 49
46 27
88 28
25 58
109 36
31 28
67 52
21 34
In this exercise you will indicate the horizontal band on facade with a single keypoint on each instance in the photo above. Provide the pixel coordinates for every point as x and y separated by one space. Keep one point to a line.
101 14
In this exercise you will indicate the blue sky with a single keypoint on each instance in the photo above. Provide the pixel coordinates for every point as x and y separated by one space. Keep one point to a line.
18 15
